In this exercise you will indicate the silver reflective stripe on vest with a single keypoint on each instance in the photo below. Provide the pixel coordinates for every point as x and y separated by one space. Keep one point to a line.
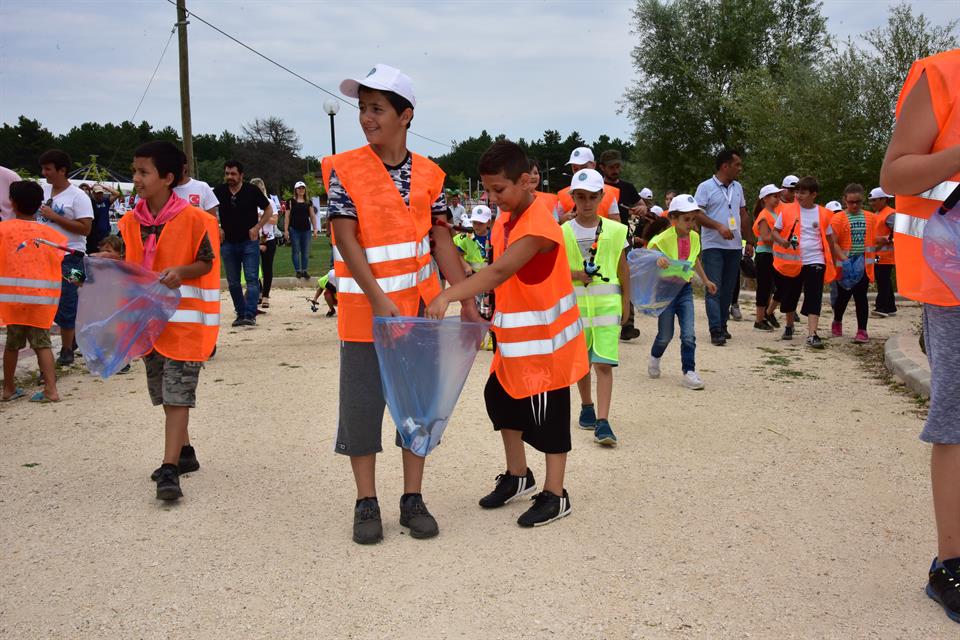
790 257
518 319
389 252
909 225
24 299
195 317
390 284
196 293
597 290
30 283
540 347
600 321
941 191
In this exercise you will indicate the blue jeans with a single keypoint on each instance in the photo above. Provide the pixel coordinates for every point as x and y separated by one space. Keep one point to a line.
722 266
66 317
300 249
682 308
246 255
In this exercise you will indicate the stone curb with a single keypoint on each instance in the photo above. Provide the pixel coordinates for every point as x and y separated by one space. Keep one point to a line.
904 359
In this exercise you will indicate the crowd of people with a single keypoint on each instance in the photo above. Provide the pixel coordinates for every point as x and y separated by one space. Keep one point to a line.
550 272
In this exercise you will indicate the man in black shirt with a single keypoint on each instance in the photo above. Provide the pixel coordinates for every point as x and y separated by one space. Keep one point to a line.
240 225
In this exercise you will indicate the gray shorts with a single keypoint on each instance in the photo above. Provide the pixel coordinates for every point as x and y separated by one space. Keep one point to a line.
172 382
941 334
359 427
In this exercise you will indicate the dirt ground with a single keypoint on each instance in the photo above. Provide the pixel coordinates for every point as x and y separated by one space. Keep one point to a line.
787 500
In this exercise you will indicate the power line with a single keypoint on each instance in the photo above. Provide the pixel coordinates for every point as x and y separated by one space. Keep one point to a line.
291 71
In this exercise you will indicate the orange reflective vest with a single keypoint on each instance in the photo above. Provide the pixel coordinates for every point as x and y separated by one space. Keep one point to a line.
766 216
30 278
787 260
394 236
885 254
540 341
610 195
191 333
549 200
915 279
840 224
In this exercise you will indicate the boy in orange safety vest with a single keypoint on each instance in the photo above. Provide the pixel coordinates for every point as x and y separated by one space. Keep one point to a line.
29 290
540 348
884 216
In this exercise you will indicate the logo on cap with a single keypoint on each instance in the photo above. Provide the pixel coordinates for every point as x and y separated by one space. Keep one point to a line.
689 198
372 71
576 153
583 177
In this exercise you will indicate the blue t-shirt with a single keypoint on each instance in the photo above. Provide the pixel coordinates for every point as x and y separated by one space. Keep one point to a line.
101 216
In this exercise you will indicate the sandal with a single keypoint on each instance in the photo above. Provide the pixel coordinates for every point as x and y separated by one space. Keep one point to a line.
265 304
41 397
17 393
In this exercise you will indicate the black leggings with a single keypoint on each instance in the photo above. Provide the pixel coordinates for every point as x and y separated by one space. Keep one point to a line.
859 295
886 301
765 279
266 260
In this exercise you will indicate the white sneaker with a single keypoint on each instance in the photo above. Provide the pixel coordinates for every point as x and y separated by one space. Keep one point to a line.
653 369
691 380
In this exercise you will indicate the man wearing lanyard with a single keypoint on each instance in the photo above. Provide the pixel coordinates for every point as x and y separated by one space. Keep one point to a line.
724 211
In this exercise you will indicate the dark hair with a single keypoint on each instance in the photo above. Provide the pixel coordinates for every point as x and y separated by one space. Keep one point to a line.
725 156
26 196
757 208
183 157
59 159
669 191
808 183
504 157
534 163
653 228
114 242
165 157
853 188
235 164
610 156
397 101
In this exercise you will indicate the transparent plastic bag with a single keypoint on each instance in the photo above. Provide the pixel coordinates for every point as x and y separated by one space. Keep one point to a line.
423 366
652 289
851 272
941 247
123 309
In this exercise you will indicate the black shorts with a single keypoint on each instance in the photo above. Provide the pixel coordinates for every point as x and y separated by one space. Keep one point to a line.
544 418
810 283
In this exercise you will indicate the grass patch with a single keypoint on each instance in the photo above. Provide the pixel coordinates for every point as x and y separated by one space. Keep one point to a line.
769 349
31 465
283 260
777 361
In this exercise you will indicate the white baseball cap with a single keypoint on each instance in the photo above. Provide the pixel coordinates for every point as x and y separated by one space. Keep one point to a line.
581 155
656 210
587 180
384 78
466 224
300 183
790 182
834 206
879 193
480 213
684 203
646 194
768 190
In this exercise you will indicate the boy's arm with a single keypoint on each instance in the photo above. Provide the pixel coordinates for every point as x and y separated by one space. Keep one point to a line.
513 259
623 274
448 258
174 276
345 230
838 253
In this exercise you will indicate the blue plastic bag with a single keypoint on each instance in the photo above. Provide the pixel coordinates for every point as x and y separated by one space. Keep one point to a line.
423 366
941 247
123 309
851 272
652 289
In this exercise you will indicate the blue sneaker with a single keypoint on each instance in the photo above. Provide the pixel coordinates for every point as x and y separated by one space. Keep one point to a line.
944 589
588 417
603 434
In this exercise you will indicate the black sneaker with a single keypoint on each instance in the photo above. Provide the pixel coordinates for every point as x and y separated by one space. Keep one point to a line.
188 462
726 335
772 321
247 322
717 340
763 326
788 332
414 516
367 528
509 488
66 358
546 508
238 322
944 589
814 342
168 483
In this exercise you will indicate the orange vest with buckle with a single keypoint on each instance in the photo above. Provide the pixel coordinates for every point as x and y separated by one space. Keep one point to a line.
610 194
540 341
767 217
915 279
191 333
394 236
841 228
30 278
885 254
787 260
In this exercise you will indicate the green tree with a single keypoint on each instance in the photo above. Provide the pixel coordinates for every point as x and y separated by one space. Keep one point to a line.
22 144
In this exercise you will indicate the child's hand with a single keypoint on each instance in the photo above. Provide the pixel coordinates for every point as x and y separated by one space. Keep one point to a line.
711 287
581 276
170 278
438 308
663 263
468 311
384 307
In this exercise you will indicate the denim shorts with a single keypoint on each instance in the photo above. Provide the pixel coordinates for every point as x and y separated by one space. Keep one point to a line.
941 331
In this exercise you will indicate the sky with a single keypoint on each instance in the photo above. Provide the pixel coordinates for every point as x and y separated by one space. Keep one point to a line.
516 67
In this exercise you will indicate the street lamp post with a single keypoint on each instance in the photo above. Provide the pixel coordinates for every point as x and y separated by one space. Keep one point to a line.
332 106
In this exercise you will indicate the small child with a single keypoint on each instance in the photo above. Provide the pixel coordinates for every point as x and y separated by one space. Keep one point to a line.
112 245
596 250
326 285
29 274
680 242
854 230
765 217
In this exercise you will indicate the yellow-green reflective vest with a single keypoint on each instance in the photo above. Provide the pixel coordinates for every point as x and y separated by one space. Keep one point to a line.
471 250
599 302
666 243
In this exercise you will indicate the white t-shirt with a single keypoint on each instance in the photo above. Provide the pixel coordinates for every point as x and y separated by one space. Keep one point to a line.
811 246
198 193
8 177
72 204
459 214
585 237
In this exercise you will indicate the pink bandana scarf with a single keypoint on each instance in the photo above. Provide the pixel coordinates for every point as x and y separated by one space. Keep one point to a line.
170 210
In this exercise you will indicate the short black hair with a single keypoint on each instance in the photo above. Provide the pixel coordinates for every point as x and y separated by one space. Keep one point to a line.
610 156
26 196
59 159
504 157
236 164
852 189
397 101
165 157
808 183
726 155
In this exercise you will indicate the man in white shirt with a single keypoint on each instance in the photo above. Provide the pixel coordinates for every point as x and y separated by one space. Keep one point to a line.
7 177
458 211
197 192
68 210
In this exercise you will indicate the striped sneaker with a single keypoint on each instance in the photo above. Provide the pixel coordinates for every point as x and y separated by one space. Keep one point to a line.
509 488
546 508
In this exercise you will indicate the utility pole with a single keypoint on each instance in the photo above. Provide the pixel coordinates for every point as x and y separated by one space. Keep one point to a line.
186 125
